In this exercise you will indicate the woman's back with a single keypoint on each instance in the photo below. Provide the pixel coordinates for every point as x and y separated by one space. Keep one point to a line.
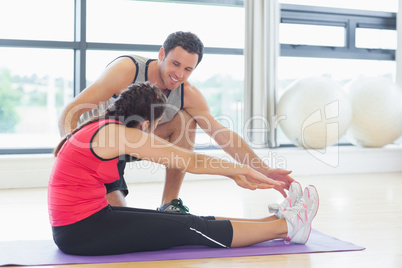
76 186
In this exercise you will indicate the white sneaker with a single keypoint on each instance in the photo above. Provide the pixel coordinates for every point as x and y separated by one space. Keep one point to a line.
294 195
299 217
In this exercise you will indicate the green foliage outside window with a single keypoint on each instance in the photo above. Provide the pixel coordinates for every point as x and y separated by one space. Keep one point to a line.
9 99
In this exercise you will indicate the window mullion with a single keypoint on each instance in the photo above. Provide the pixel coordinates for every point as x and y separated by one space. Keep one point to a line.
80 52
350 38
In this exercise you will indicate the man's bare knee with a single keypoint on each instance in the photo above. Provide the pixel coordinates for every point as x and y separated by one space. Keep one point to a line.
183 120
179 131
190 121
184 135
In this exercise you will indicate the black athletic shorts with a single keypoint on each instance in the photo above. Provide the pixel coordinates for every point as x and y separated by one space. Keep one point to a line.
121 184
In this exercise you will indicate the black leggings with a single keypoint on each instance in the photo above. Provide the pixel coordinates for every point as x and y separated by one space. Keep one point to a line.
118 230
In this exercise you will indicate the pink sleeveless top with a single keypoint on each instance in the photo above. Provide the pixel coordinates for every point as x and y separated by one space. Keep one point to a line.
76 186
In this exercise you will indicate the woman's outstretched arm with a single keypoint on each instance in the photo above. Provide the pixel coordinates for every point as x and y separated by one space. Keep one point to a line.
118 140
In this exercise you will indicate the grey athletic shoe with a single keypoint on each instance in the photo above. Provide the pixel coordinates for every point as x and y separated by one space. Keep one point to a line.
175 206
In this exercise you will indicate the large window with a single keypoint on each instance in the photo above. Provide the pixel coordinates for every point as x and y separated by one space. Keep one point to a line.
328 40
61 49
34 86
37 20
150 22
48 55
36 72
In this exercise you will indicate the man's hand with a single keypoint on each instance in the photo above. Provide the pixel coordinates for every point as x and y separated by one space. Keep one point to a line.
280 175
255 180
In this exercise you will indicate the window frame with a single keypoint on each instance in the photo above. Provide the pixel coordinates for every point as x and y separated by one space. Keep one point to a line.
348 18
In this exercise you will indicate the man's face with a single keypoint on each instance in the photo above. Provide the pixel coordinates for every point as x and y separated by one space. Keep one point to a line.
176 66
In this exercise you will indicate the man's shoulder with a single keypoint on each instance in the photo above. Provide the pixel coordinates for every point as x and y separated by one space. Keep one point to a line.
133 58
192 96
187 86
189 89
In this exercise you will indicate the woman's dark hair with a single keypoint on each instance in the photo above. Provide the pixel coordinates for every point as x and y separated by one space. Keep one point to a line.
187 40
136 104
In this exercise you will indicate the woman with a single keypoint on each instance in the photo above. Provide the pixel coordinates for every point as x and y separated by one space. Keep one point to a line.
83 223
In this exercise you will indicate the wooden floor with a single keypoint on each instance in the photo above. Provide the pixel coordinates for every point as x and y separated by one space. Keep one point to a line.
364 209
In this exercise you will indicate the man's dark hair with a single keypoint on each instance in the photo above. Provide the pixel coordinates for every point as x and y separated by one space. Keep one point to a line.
187 40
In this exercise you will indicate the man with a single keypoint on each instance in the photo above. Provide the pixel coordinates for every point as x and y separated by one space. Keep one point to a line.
178 57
